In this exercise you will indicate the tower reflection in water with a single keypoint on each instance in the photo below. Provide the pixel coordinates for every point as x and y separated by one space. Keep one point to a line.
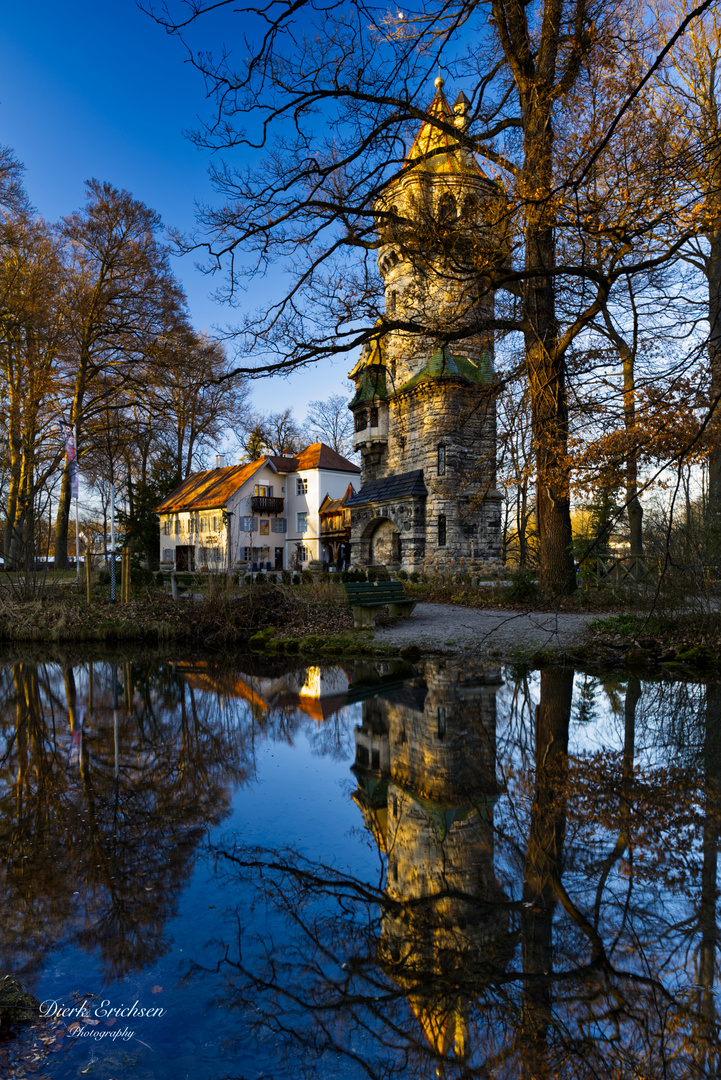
426 770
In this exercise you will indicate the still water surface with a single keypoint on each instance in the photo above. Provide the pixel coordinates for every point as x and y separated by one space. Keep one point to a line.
216 871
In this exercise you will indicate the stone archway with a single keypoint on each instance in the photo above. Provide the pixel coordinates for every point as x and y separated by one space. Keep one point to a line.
383 539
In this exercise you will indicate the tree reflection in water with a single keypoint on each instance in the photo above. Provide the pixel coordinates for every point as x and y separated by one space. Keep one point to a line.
545 904
102 808
545 899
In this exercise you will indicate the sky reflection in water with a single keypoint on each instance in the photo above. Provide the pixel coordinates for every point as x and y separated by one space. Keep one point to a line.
366 870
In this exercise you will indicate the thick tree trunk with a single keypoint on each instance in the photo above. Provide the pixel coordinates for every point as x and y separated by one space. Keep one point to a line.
714 350
10 533
63 518
61 522
545 364
707 1041
543 864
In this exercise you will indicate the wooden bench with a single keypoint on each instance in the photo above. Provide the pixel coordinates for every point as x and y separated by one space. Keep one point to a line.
365 596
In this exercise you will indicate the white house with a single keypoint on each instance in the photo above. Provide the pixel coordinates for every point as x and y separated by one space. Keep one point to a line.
260 515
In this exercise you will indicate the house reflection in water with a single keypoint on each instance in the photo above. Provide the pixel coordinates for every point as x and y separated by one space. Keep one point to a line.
425 766
317 692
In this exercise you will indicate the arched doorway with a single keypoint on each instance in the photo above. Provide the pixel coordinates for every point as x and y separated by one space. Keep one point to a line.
384 543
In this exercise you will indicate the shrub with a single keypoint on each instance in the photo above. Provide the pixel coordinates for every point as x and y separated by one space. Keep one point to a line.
260 579
296 579
141 577
354 575
414 576
248 578
286 575
402 575
523 586
103 577
376 574
307 577
160 580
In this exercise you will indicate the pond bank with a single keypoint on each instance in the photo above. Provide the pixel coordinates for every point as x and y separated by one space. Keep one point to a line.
315 621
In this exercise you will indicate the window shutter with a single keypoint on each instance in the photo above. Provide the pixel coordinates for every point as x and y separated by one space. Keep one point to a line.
254 525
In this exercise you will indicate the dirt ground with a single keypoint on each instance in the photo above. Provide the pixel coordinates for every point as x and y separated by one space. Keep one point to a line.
459 630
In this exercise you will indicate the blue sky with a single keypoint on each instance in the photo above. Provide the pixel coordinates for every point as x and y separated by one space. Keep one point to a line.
97 89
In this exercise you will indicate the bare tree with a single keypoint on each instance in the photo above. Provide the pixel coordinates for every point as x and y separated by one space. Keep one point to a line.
120 297
562 230
330 422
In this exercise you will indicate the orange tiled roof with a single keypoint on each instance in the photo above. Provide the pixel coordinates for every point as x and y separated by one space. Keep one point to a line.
315 456
211 489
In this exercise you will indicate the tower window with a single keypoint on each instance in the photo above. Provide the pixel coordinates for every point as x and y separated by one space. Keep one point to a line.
441 722
361 421
392 302
470 206
301 486
441 461
441 530
374 417
447 211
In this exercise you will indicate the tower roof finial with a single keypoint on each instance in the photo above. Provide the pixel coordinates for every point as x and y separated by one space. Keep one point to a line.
439 81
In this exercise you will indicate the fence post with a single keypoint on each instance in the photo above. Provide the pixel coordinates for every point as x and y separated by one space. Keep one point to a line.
173 585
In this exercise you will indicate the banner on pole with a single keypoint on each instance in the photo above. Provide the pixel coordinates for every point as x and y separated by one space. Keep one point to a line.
71 455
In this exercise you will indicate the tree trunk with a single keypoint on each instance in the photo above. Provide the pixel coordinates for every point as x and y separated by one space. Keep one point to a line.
15 448
633 504
76 415
714 352
707 1041
543 863
545 364
61 522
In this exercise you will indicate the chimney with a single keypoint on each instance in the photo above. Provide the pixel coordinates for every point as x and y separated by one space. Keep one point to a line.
220 461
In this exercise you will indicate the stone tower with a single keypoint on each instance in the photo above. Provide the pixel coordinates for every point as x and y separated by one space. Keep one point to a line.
426 771
424 409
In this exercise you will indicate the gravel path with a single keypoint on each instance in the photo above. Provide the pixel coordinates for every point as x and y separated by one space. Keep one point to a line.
449 627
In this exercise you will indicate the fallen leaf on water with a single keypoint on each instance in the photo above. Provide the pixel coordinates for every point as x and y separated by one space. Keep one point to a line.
89 1020
74 1026
157 990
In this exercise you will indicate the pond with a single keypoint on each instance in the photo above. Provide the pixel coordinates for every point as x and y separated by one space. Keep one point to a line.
246 869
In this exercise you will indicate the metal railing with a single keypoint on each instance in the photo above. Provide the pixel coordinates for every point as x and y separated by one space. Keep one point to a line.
265 504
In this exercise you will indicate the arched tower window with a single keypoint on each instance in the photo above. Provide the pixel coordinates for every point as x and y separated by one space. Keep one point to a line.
447 211
470 207
441 530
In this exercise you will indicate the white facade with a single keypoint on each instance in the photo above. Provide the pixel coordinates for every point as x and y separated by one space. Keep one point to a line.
305 498
252 530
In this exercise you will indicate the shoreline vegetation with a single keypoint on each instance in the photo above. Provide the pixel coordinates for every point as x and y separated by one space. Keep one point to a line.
313 619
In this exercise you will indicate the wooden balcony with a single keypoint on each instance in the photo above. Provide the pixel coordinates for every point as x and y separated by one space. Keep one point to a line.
264 504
